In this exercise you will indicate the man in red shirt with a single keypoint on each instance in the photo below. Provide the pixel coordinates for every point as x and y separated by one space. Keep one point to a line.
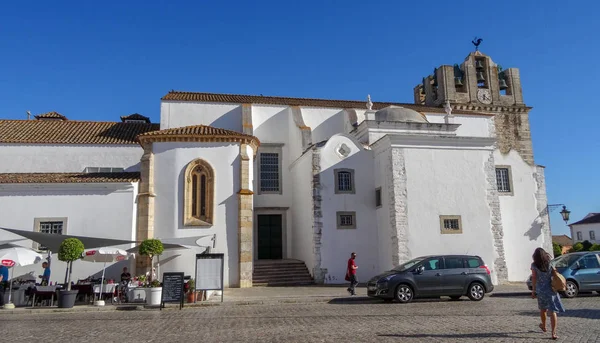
351 274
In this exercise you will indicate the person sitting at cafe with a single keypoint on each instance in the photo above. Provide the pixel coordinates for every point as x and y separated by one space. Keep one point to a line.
125 276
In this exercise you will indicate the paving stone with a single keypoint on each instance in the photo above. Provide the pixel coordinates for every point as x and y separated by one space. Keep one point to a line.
494 319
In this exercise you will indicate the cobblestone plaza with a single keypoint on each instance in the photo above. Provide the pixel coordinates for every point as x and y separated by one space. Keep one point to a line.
359 319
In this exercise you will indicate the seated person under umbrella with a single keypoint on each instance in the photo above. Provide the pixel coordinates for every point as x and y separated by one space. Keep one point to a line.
125 276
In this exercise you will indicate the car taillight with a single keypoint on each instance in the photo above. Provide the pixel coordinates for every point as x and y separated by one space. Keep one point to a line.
486 269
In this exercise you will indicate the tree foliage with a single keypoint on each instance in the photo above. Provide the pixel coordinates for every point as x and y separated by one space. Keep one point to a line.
557 249
577 247
586 245
151 248
595 247
70 250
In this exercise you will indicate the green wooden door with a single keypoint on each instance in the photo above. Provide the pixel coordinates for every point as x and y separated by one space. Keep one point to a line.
270 245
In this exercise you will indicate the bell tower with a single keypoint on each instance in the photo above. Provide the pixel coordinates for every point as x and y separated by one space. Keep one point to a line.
477 81
480 85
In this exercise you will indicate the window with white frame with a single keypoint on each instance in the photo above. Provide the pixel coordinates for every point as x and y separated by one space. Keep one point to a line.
53 226
346 220
344 181
450 224
504 180
592 235
579 236
269 169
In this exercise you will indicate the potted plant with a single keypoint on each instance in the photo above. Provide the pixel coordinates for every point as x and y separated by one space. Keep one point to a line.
70 250
190 288
151 248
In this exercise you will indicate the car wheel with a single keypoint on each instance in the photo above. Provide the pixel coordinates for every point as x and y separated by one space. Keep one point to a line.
455 297
404 294
572 289
476 291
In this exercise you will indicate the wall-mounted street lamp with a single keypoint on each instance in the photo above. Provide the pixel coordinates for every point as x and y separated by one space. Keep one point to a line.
564 213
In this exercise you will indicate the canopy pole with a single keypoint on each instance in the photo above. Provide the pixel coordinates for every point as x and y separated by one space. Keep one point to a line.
102 282
11 281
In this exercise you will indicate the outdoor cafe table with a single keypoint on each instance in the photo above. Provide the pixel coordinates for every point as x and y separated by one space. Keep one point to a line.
107 289
44 291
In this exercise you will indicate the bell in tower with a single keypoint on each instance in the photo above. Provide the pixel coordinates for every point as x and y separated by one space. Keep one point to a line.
480 77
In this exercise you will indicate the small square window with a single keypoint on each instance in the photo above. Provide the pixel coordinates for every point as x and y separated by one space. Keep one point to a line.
378 197
504 180
346 220
450 224
344 181
53 226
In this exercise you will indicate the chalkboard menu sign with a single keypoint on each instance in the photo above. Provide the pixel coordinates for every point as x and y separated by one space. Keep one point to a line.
172 289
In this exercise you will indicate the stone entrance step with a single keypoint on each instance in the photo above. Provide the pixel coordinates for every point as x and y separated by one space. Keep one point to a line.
281 273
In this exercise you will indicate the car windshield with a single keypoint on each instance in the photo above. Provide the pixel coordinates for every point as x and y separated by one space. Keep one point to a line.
564 261
408 264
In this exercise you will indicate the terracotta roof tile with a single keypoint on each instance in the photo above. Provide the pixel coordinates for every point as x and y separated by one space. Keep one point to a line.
50 115
201 133
135 116
71 132
69 177
287 101
196 130
562 240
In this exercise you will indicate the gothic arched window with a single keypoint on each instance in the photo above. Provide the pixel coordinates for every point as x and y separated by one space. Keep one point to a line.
199 193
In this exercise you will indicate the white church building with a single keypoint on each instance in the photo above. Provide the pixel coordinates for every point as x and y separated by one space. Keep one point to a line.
282 178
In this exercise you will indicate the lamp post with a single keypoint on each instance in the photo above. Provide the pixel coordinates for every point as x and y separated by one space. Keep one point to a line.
564 213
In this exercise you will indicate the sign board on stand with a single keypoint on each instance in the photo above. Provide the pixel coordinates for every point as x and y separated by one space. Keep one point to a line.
172 289
209 272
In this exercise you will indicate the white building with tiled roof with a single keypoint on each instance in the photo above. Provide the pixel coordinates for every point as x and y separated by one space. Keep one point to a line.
294 185
586 229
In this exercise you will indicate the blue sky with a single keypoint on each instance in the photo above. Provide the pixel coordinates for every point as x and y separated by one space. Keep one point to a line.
98 62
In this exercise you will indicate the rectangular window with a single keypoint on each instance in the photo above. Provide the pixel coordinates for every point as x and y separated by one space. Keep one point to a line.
592 235
269 172
473 262
346 220
450 224
503 180
378 197
344 181
453 262
53 226
579 236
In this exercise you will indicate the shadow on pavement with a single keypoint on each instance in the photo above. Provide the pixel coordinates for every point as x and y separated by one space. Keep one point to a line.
354 300
511 335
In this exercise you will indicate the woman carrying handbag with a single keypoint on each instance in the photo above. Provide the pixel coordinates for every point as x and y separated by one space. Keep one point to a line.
544 277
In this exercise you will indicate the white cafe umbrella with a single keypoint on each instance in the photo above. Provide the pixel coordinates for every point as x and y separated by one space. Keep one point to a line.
106 255
15 255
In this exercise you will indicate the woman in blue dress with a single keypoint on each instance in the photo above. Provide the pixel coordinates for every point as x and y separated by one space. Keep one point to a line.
548 299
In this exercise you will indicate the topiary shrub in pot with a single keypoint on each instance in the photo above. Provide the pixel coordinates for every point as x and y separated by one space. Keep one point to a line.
70 250
151 248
